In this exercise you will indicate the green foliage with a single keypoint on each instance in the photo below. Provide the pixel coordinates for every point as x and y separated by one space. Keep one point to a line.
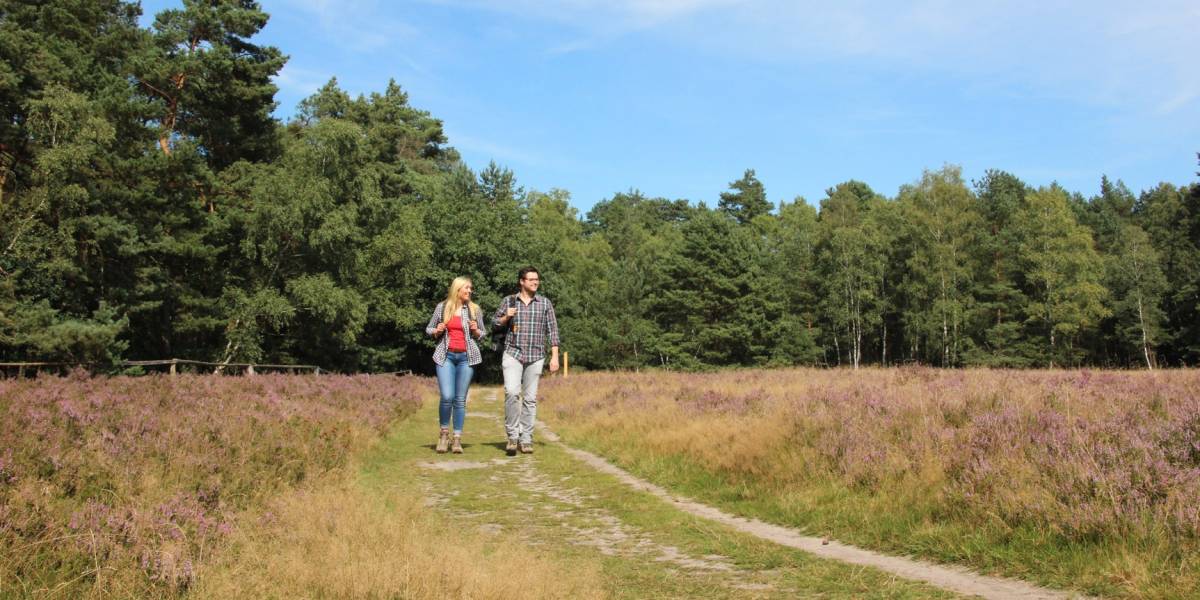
941 227
327 245
575 272
746 200
850 254
792 280
1063 270
1171 218
641 234
209 83
38 332
151 207
998 330
1138 286
712 307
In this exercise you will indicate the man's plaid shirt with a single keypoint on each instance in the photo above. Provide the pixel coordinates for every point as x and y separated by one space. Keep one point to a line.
536 328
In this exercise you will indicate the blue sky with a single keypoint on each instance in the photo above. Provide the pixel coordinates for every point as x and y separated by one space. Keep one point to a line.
677 98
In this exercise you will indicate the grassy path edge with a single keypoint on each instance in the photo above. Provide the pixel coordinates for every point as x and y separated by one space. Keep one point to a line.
953 578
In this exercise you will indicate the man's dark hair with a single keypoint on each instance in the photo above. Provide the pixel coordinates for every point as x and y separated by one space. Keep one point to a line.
525 271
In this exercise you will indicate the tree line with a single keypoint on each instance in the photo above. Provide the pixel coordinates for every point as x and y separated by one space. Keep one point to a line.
152 207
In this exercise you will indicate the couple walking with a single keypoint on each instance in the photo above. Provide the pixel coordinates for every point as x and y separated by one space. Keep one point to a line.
531 331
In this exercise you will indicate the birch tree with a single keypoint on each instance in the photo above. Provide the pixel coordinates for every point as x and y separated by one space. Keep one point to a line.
851 264
1137 285
941 229
1063 271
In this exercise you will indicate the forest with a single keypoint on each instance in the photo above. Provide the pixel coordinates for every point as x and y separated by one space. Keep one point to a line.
151 206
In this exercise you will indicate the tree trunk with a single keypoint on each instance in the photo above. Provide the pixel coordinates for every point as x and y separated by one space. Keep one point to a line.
883 344
857 343
945 325
1145 336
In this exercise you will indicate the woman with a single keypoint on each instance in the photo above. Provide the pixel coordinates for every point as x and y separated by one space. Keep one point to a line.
456 323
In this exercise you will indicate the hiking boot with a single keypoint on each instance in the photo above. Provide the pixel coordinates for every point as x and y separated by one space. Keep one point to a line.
511 447
443 441
456 444
526 447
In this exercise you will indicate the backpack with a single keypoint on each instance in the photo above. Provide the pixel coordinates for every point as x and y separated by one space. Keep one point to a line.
499 337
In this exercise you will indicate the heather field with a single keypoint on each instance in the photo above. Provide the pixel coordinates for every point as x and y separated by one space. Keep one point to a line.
129 487
1084 480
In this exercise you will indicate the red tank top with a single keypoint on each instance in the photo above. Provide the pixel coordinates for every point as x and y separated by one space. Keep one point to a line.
458 338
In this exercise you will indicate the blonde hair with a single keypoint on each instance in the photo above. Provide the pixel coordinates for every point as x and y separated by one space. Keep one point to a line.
453 304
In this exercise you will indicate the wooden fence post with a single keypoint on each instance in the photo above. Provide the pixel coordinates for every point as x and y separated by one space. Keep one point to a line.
566 363
174 361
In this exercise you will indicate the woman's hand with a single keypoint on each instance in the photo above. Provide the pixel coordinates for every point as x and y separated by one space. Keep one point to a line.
474 328
441 327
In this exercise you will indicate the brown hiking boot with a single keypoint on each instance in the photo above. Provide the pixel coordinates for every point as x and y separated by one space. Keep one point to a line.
511 447
456 444
526 447
443 441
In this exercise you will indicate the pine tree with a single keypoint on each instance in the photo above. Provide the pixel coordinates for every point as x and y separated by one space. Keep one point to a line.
1170 218
746 199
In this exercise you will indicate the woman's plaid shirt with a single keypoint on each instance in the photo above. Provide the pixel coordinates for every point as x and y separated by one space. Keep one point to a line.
474 356
536 328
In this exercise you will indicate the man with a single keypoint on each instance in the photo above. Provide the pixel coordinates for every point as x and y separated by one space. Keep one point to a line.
532 329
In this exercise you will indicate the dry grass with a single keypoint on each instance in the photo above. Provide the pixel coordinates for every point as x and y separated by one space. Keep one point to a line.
1081 478
125 487
345 542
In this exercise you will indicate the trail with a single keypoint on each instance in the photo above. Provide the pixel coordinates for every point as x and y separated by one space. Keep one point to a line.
951 578
571 502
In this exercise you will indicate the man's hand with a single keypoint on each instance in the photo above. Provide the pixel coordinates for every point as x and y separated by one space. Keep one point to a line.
510 313
554 363
441 327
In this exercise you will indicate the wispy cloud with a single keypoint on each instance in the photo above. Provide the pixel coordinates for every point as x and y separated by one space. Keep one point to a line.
1130 56
503 154
359 26
619 14
1129 59
297 81
1185 98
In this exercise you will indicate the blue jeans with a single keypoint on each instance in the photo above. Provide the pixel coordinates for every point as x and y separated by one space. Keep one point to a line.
454 377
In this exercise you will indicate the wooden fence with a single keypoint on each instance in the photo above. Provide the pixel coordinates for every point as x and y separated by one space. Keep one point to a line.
173 366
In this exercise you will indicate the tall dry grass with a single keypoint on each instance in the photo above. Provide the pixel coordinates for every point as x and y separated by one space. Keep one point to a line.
126 487
1076 459
345 542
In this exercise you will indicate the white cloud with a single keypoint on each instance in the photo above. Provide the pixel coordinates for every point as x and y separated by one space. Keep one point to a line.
599 16
1181 100
360 26
503 154
301 82
1130 56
